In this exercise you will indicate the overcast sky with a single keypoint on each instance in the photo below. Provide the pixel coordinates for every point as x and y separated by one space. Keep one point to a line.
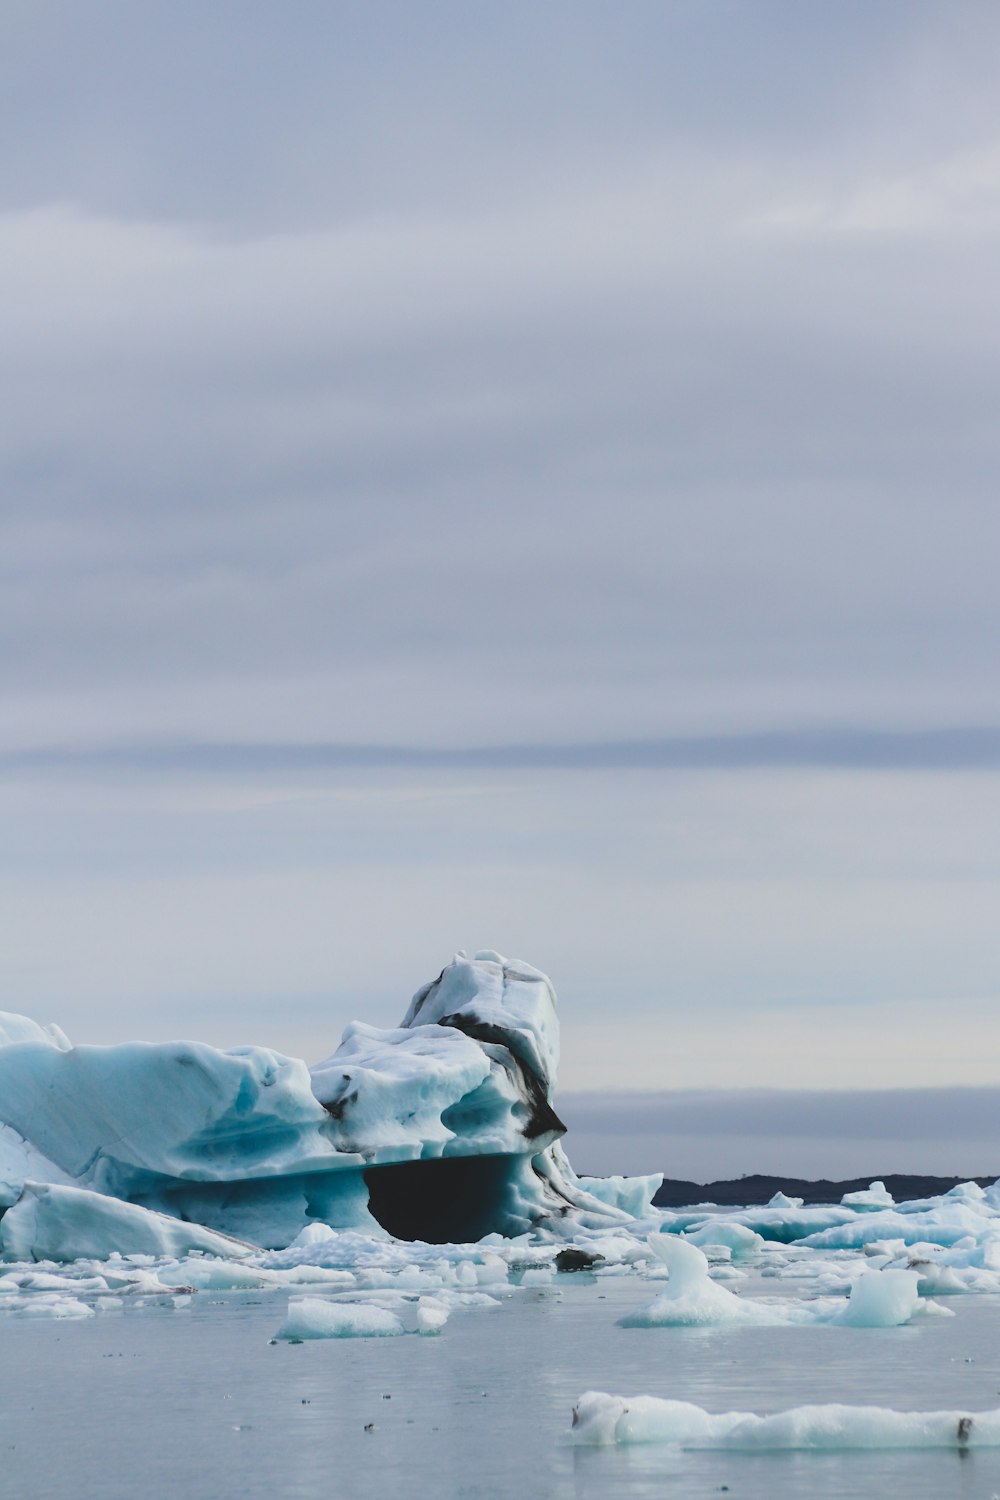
517 476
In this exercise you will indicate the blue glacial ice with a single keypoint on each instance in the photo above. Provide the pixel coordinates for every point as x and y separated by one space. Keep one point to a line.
52 1222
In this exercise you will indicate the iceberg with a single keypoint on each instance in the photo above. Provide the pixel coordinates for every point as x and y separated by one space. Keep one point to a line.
878 1299
441 1129
315 1318
602 1419
874 1197
432 1315
48 1305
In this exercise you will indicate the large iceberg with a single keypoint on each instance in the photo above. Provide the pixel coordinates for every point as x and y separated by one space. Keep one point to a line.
440 1129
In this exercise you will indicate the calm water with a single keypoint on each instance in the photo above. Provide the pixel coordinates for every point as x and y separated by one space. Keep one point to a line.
158 1402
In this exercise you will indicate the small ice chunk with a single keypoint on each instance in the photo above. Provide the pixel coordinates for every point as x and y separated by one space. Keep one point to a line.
48 1305
742 1242
690 1297
881 1299
431 1315
313 1234
316 1318
875 1196
211 1274
317 1276
492 1270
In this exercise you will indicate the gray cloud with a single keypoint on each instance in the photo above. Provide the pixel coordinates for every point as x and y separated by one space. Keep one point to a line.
391 379
609 392
862 1114
959 749
710 1135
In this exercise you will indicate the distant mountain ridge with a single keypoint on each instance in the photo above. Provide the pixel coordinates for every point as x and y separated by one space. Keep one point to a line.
758 1189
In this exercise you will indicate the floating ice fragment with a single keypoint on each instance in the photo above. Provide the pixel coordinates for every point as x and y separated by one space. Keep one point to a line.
431 1315
876 1196
881 1299
538 1276
690 1298
604 1419
47 1305
316 1318
210 1273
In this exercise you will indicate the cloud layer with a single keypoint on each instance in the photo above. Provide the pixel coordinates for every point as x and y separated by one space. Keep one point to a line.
522 476
398 380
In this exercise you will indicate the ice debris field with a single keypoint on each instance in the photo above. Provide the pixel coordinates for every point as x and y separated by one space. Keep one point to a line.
417 1173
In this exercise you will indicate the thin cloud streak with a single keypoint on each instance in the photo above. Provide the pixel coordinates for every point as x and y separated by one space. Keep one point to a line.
958 749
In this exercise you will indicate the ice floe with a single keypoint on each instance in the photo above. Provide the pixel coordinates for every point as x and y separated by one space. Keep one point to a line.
316 1318
599 1418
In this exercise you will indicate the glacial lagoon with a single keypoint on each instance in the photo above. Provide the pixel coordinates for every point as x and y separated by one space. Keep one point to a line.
163 1400
226 1273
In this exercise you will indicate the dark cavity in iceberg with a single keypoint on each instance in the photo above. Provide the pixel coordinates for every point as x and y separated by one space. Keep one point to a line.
441 1129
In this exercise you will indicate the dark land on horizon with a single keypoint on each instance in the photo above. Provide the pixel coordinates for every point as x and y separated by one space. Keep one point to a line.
745 1192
